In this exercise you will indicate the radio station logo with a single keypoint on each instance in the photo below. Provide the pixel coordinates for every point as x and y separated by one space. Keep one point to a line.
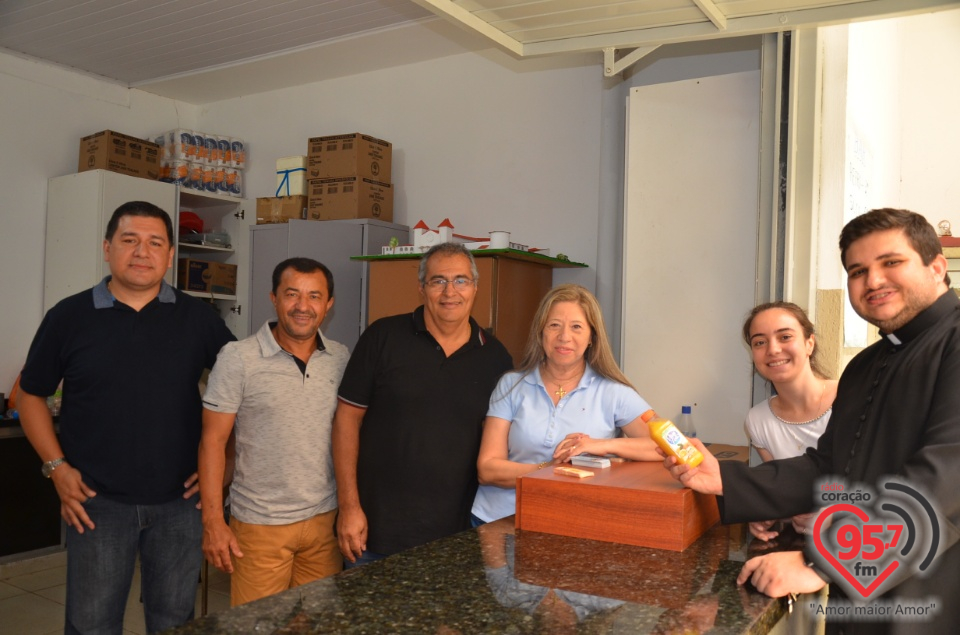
867 540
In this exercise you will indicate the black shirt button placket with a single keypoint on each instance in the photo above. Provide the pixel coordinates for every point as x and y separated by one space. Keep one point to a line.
863 416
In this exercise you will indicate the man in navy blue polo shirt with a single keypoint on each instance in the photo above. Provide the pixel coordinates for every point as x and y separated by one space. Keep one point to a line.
130 353
407 429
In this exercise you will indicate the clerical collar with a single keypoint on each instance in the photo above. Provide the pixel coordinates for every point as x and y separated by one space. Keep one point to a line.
925 319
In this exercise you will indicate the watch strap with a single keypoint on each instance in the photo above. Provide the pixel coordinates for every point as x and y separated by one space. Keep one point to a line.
48 467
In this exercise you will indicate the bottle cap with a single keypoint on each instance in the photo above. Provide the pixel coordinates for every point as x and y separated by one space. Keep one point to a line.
686 410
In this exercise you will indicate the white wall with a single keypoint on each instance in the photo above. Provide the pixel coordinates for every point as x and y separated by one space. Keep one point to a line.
44 111
533 146
484 139
896 139
930 104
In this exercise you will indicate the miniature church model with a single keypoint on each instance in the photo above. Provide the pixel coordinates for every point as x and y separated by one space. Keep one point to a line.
424 238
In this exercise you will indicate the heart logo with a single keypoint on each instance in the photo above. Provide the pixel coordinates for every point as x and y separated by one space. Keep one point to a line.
852 583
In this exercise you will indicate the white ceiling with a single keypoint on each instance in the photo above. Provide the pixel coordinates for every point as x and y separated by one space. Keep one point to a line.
205 50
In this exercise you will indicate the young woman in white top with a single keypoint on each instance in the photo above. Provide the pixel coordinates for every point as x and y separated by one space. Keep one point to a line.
784 349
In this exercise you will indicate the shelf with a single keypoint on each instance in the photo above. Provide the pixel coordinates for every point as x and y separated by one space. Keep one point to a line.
951 252
198 199
199 247
210 296
509 253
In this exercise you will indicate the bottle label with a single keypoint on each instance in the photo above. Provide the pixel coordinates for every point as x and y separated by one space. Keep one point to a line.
685 452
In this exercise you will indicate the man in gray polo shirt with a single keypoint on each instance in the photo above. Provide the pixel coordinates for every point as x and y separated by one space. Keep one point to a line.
277 391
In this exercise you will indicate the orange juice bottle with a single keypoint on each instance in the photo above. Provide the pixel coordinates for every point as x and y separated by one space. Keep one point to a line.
673 443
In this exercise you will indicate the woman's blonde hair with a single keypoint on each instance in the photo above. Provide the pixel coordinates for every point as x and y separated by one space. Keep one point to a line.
598 353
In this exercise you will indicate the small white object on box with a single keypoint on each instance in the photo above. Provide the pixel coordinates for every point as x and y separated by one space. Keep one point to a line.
291 176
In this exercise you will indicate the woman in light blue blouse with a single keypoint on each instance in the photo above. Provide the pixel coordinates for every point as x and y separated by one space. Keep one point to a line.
568 397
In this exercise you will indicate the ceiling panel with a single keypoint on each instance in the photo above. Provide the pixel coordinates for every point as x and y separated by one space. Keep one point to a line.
535 27
174 47
134 41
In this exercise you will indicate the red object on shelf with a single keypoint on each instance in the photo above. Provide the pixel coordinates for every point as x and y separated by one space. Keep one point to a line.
191 223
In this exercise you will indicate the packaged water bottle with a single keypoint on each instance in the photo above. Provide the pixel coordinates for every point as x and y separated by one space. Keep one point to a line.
685 422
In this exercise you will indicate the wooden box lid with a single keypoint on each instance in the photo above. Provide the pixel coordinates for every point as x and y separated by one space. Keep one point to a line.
633 503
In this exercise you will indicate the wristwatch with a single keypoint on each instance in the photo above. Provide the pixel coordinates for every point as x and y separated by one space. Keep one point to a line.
48 467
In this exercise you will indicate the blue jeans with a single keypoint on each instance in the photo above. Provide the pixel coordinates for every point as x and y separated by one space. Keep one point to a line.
100 564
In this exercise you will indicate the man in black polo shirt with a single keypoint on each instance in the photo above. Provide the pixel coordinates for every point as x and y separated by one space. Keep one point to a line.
130 353
407 428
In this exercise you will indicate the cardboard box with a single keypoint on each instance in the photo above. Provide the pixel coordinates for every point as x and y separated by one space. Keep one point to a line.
281 210
634 503
206 276
725 452
108 150
349 197
292 176
349 155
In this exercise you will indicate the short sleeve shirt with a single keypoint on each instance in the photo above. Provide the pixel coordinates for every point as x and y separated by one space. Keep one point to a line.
284 468
597 406
130 417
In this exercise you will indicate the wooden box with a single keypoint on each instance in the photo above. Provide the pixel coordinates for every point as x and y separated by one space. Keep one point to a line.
634 503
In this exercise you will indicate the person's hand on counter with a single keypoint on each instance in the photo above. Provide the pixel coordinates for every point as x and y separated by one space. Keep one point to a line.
352 532
765 529
73 493
781 573
705 478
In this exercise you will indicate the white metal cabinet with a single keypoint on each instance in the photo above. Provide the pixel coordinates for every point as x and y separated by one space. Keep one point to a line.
78 208
233 216
332 243
80 205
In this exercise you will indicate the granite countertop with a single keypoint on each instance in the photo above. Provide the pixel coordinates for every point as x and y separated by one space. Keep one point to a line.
497 579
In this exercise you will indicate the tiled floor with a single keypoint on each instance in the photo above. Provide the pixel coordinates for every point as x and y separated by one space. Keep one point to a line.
33 591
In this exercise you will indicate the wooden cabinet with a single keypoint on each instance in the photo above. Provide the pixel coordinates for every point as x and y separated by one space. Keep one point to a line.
80 205
331 242
510 289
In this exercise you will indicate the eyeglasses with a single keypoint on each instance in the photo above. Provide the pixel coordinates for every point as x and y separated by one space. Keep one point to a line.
439 284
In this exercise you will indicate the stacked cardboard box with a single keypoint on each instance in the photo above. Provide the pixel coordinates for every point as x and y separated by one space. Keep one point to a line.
349 177
281 209
109 150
